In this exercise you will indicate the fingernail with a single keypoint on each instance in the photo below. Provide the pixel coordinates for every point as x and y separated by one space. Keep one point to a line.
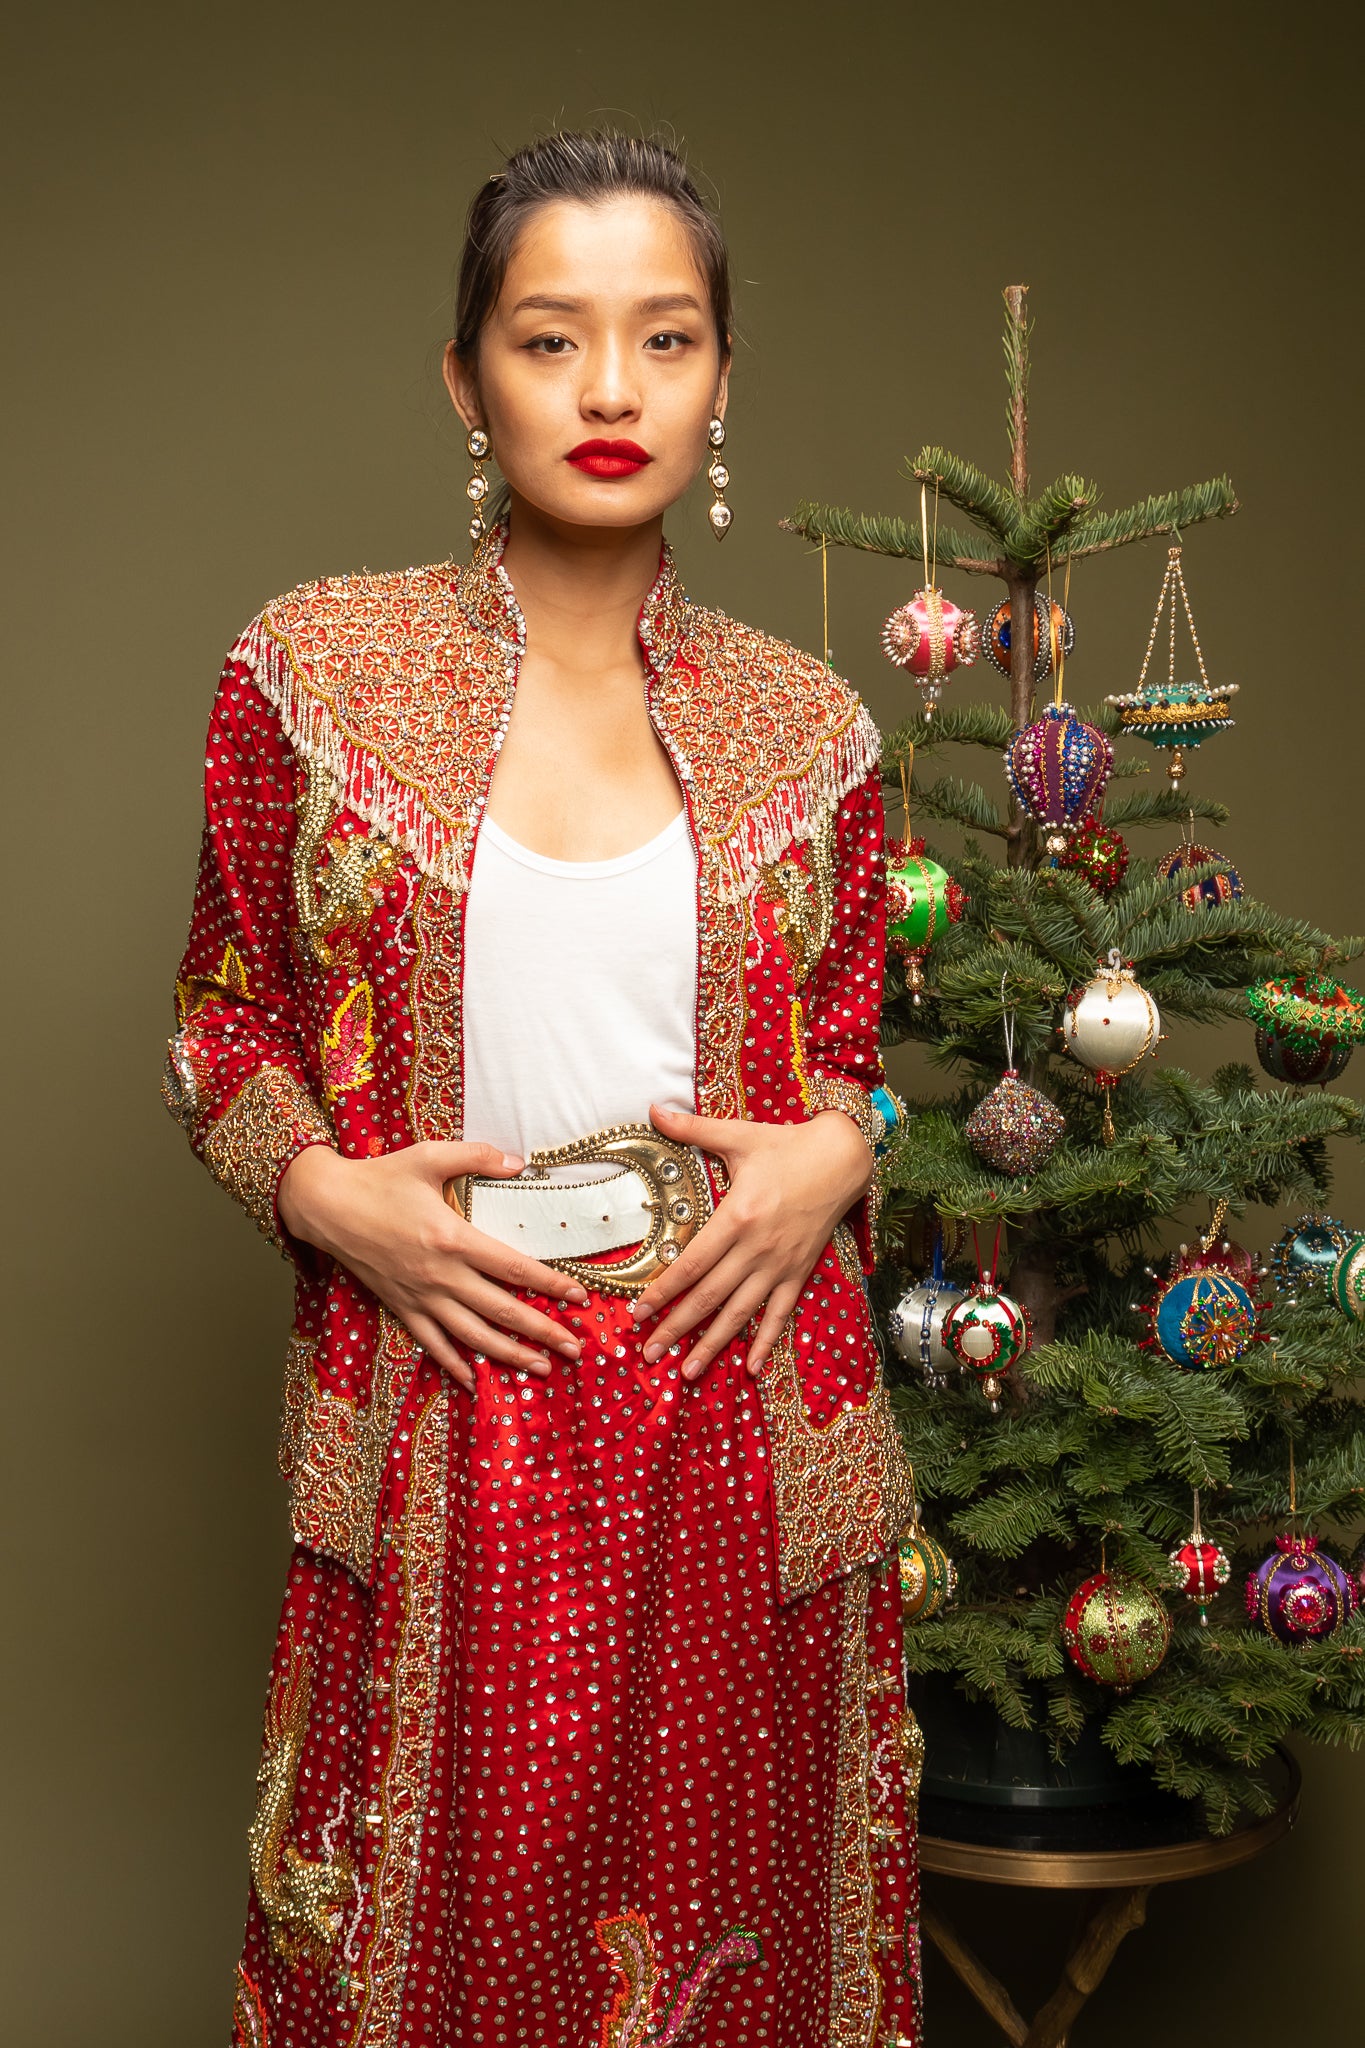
693 1369
569 1348
577 1295
513 1162
653 1353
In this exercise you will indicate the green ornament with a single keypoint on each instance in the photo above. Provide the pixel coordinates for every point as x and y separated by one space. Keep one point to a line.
1348 1281
922 900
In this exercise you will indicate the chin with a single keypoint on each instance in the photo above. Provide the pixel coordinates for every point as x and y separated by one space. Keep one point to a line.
615 505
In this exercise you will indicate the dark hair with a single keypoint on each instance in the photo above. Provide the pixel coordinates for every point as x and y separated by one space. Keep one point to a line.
588 168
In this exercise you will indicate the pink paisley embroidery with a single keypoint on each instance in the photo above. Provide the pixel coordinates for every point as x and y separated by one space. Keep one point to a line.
634 2021
348 1043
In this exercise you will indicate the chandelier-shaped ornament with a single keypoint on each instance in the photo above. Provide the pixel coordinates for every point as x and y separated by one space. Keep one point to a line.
1174 715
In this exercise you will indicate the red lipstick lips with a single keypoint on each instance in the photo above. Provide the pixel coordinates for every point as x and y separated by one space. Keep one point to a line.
608 458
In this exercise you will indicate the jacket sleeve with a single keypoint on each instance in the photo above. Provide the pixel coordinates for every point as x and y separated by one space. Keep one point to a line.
842 1027
236 1074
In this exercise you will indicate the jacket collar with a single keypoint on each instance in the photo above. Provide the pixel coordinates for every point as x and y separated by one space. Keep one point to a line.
486 596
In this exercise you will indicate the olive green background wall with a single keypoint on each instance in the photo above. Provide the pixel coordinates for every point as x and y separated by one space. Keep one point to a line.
230 260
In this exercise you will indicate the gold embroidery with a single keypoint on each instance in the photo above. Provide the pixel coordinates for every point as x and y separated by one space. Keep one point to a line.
340 893
804 900
907 1746
398 687
857 1989
798 1038
337 1454
298 1394
419 1672
249 2028
834 1091
348 1043
840 1492
301 1900
435 1108
269 1120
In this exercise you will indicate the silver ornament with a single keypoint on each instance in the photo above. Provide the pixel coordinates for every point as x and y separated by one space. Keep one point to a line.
915 1326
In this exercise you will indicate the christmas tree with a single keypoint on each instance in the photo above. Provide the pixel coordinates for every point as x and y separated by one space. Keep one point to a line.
1226 1401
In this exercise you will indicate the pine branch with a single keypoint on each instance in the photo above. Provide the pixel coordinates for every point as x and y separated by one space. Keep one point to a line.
880 534
986 503
1048 517
1155 806
960 803
1170 513
975 725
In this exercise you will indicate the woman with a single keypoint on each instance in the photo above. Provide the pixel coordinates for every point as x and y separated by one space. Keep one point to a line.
530 1007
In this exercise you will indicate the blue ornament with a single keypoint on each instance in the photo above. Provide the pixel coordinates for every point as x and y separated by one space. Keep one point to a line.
1223 887
1203 1318
1303 1258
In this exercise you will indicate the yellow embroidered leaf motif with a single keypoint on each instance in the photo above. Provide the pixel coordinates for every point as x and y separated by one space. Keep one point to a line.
195 989
348 1043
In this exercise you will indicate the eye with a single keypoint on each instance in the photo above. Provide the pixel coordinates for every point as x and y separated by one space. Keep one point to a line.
551 344
669 343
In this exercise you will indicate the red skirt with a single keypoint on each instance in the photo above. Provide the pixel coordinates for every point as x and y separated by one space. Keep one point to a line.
569 1776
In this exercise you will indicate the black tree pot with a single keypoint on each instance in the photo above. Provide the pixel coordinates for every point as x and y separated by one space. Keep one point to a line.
984 1780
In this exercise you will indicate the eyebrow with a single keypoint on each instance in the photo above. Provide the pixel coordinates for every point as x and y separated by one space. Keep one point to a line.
663 302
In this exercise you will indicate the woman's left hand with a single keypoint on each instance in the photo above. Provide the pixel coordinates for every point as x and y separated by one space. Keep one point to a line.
789 1185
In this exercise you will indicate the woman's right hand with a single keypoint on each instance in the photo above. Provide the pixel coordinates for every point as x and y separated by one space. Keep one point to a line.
388 1222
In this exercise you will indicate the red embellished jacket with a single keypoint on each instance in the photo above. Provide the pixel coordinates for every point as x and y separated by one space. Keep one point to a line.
350 751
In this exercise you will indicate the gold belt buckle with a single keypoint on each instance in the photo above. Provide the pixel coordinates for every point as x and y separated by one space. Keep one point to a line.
678 1200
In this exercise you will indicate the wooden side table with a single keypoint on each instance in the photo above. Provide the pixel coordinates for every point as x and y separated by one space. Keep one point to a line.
1122 1873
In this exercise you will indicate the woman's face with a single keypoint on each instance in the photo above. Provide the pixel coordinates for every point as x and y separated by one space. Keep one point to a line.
603 334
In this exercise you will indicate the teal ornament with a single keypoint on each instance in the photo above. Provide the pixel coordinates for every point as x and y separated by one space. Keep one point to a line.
1302 1260
1203 1319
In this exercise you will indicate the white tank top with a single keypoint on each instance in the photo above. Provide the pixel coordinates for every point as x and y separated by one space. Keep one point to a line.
579 989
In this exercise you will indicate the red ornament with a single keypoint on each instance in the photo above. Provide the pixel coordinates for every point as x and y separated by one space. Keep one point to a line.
1098 855
1202 1569
929 638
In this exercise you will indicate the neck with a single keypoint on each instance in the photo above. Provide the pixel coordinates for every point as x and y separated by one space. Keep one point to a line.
580 588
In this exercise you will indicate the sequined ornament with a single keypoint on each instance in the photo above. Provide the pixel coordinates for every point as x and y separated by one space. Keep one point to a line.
1299 1594
1058 768
1116 1630
987 1333
930 637
1223 887
1098 854
1052 630
1171 715
1110 1026
1202 1317
1303 1259
928 1576
1347 1283
1015 1128
1201 1568
915 1327
1306 1027
922 900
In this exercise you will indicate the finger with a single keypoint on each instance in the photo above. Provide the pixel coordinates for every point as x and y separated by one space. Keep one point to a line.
439 1348
715 1238
446 1159
496 1305
780 1305
707 1298
514 1269
720 1134
484 1340
725 1326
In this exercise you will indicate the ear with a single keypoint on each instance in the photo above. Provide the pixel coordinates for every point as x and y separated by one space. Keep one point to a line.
463 386
723 387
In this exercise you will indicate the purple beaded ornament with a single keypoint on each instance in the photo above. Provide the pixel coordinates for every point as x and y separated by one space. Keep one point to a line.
1299 1594
1058 768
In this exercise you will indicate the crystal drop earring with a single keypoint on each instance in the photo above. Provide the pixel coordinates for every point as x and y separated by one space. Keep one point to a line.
718 476
476 490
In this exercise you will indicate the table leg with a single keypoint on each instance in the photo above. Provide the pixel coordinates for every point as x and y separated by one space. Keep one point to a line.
1115 1917
985 1987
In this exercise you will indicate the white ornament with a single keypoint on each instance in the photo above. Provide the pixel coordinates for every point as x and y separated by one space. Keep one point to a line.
915 1326
1112 1024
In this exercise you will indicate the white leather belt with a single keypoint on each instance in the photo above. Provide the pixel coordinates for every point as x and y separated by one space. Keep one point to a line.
562 1219
656 1200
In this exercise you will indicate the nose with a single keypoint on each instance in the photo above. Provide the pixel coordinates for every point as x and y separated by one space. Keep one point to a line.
611 390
